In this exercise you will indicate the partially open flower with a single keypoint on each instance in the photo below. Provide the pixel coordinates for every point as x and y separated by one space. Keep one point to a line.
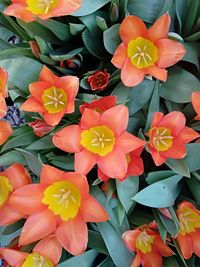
99 80
40 127
29 10
35 48
3 92
52 96
145 51
5 131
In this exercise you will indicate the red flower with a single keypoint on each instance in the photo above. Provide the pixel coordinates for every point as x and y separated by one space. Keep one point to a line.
148 245
35 48
40 127
3 92
99 80
168 136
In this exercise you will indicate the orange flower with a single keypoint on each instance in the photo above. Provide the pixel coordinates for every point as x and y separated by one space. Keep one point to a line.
40 127
29 10
168 136
100 105
5 131
135 165
11 179
100 139
46 253
145 51
196 104
148 245
52 96
3 92
60 204
189 234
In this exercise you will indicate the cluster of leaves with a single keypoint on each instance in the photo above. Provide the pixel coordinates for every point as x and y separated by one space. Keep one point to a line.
91 36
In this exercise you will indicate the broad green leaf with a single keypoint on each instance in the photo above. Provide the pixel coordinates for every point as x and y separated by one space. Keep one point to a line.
192 16
179 166
64 54
167 190
158 176
122 92
12 228
193 53
170 262
161 227
93 6
111 38
194 186
95 241
106 263
12 157
169 225
42 143
192 157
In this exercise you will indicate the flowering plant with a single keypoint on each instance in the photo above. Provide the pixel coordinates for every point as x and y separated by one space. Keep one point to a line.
100 167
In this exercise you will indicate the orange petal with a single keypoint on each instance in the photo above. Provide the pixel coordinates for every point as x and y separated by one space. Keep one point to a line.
37 89
157 157
3 107
50 175
137 261
130 238
175 121
4 80
5 131
196 242
84 161
73 235
114 164
79 181
19 11
156 118
70 84
102 175
128 142
68 139
158 73
188 134
18 175
136 166
185 244
169 52
152 259
9 215
38 226
120 56
53 118
92 211
32 105
131 28
130 75
48 76
196 101
90 118
119 123
13 257
50 248
176 151
160 28
164 250
28 199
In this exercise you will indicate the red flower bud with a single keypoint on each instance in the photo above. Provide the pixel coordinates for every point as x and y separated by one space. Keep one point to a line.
40 127
99 80
35 48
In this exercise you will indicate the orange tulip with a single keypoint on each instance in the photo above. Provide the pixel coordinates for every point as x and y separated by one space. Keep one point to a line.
29 10
11 179
46 253
145 51
100 105
189 234
3 92
52 96
101 139
5 131
196 104
148 245
60 204
168 136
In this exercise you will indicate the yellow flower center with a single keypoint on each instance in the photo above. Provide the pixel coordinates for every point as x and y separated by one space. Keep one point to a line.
189 221
36 260
54 99
5 189
142 52
41 7
63 198
144 242
99 140
160 138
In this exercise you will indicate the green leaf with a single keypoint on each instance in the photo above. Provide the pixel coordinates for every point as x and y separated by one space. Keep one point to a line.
63 54
179 166
42 143
167 190
193 53
11 157
126 190
170 262
111 38
192 157
95 241
89 7
106 263
178 87
191 17
12 228
194 187
122 92
158 176
161 227
84 260
169 225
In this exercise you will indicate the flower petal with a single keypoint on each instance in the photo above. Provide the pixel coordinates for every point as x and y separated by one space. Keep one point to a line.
169 52
38 226
158 73
130 75
196 242
50 175
48 76
12 257
84 161
131 28
188 134
137 261
196 102
37 89
92 211
79 181
32 105
130 238
176 151
118 123
73 235
114 164
53 118
90 118
160 28
19 11
28 199
120 56
70 84
156 118
5 131
9 215
50 248
68 139
152 259
3 107
185 244
136 166
157 157
164 250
